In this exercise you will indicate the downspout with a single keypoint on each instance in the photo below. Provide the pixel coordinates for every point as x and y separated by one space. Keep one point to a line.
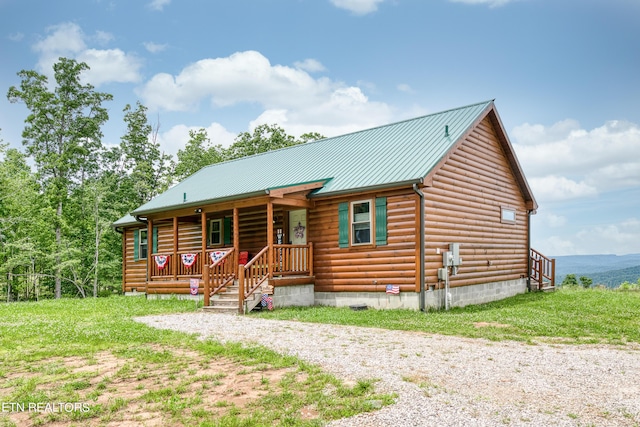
419 192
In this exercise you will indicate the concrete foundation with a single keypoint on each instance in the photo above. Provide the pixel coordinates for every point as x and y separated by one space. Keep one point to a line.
459 296
304 296
293 295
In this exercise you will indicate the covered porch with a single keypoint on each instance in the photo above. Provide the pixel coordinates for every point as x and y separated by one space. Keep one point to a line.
251 245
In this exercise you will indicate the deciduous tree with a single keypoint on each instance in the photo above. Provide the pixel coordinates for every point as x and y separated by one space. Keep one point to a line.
198 153
62 134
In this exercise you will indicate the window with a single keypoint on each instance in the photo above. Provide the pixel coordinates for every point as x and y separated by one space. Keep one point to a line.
143 244
216 232
361 222
356 222
508 215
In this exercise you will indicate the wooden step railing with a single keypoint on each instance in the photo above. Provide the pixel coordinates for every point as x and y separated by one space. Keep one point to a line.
252 275
542 270
219 271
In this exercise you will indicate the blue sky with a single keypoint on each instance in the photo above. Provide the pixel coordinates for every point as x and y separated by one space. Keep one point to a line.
565 76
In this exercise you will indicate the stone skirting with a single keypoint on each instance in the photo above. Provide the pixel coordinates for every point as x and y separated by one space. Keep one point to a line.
459 296
293 295
304 296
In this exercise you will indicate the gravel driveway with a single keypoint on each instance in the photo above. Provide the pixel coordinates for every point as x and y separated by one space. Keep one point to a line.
450 381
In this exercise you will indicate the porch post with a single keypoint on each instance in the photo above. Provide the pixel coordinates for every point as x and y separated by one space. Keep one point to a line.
236 239
270 237
174 258
149 251
124 260
205 260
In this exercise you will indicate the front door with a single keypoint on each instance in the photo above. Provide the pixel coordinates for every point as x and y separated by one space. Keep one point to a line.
298 227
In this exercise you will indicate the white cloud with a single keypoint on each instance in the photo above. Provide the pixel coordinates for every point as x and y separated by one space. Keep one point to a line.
564 160
550 219
155 47
177 137
158 4
111 65
102 37
358 7
242 77
618 238
288 95
310 65
68 40
551 188
490 3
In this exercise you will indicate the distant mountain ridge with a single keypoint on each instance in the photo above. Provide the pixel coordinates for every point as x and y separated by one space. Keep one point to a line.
610 270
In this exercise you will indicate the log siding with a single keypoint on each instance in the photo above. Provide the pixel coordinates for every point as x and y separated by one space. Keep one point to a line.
367 268
134 271
464 205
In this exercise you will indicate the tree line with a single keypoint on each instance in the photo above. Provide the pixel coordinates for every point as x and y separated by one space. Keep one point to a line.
61 193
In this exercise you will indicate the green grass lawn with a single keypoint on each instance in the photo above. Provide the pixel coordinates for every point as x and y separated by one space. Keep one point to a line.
92 364
574 316
91 353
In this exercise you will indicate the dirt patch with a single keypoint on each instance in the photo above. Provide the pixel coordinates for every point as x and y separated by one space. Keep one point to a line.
125 391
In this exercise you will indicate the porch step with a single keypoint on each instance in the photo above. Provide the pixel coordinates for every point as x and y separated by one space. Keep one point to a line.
227 301
546 286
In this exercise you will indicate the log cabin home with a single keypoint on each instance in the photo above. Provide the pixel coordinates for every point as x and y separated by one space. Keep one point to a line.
425 213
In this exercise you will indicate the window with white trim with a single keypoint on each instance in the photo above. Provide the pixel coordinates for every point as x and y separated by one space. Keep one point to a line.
216 232
508 215
143 244
361 222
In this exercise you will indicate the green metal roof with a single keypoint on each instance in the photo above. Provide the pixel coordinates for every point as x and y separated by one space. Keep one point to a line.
126 221
402 152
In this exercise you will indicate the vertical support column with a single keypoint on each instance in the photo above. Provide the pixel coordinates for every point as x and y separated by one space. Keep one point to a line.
241 287
270 237
207 288
203 224
149 251
310 260
236 240
174 258
205 261
124 261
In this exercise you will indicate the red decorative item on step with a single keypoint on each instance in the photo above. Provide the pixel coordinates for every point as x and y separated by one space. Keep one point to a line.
243 257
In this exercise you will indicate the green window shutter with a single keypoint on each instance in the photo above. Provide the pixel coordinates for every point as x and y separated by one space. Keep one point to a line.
227 230
343 225
136 244
155 240
381 221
